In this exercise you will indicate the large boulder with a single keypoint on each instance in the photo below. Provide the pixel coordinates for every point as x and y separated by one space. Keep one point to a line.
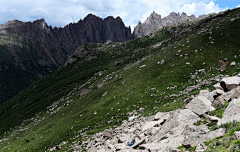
231 113
228 96
177 121
193 139
230 83
200 105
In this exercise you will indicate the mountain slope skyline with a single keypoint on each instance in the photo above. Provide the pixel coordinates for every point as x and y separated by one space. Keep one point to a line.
59 13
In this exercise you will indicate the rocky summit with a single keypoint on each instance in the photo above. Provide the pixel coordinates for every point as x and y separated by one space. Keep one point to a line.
155 22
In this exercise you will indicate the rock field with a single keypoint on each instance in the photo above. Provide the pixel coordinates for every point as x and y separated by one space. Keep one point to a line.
166 131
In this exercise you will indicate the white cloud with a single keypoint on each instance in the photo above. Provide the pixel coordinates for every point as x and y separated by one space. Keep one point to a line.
62 12
201 8
238 5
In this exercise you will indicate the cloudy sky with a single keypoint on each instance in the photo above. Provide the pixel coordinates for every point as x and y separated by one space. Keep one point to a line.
62 12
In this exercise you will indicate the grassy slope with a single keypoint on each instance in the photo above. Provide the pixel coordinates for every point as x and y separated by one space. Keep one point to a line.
129 88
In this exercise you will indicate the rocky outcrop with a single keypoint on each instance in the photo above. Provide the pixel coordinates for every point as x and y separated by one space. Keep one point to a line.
154 22
32 50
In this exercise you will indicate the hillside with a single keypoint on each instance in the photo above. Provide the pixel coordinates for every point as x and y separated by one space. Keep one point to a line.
152 74
31 50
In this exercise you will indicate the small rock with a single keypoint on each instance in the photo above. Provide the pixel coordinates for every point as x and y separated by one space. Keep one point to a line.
201 147
162 115
132 118
210 119
233 64
105 93
237 134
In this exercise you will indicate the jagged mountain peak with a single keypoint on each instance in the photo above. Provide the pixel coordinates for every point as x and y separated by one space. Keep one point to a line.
155 22
91 16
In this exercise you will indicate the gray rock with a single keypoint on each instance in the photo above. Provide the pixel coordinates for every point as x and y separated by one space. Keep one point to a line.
162 115
111 147
217 93
218 86
233 64
151 124
100 85
232 19
219 101
138 143
200 105
230 83
228 96
101 150
131 118
86 91
105 93
119 146
237 134
201 147
124 138
210 119
207 94
235 93
193 139
152 146
231 113
177 121
153 131
186 101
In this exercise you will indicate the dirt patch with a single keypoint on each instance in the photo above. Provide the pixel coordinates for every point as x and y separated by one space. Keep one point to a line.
223 64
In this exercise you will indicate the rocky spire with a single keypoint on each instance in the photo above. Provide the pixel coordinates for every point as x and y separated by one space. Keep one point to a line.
155 22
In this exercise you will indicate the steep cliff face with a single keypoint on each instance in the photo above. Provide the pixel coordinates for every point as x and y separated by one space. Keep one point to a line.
31 50
154 22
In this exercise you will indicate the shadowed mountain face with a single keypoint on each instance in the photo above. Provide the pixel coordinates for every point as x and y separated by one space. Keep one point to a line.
30 51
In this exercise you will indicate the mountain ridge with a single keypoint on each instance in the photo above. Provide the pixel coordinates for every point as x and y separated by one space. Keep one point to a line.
36 49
